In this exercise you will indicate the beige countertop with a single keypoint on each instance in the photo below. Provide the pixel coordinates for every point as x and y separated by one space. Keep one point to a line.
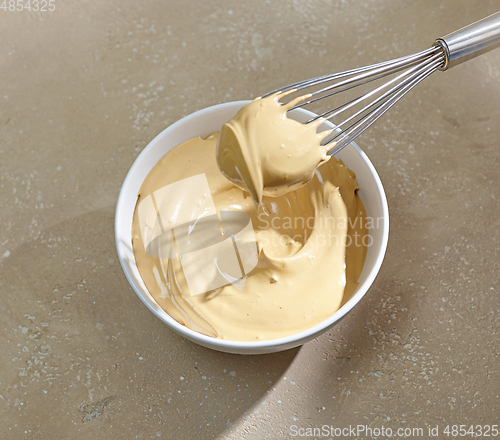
84 88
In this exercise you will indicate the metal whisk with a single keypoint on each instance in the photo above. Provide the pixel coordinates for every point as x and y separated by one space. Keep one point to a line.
410 70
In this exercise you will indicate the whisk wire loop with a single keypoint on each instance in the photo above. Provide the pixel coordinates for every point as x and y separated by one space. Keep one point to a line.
351 132
409 70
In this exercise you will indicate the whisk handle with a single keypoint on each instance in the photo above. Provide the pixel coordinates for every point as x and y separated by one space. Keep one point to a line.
470 41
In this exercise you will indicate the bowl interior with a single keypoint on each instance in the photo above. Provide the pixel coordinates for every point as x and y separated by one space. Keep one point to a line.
203 123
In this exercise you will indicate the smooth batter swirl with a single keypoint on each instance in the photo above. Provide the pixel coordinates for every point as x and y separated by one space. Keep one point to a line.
266 153
304 271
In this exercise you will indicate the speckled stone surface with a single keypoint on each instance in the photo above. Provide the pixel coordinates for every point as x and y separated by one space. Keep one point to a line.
86 87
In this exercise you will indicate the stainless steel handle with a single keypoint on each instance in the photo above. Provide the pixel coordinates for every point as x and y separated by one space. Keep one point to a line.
470 41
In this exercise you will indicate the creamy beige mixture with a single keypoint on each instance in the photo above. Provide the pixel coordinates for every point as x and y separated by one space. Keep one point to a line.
267 153
281 267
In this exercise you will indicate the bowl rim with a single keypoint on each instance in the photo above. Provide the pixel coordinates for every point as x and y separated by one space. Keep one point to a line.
222 344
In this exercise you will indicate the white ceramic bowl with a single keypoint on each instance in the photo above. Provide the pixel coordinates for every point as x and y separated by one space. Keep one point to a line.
202 123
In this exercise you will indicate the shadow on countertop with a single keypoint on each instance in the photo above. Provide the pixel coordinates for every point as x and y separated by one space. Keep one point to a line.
82 346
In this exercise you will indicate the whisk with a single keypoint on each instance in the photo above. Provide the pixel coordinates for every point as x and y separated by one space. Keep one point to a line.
407 72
